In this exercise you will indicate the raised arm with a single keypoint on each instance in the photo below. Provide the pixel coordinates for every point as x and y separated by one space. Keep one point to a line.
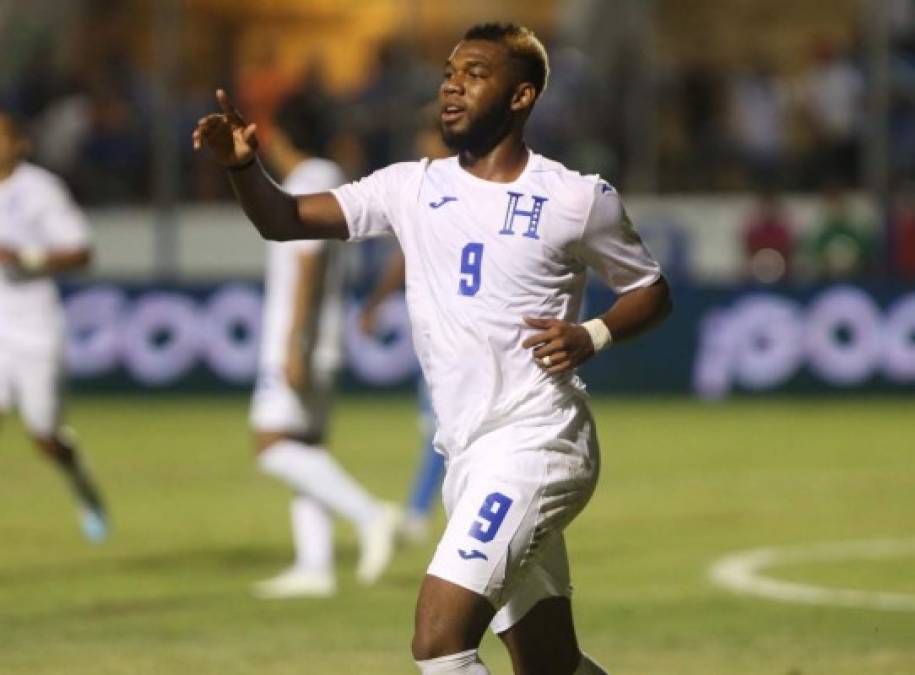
276 214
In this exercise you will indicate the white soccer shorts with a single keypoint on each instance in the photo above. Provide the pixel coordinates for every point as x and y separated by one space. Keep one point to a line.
509 497
30 382
278 407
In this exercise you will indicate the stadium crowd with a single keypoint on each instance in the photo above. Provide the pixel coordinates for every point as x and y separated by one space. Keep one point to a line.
720 127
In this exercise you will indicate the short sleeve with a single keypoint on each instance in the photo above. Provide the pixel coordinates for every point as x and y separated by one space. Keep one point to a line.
612 248
63 224
312 176
369 204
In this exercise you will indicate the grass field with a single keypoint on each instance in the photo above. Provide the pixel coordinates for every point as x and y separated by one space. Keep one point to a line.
683 483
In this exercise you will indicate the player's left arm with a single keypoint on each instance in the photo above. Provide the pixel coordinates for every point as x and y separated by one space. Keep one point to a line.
612 248
570 344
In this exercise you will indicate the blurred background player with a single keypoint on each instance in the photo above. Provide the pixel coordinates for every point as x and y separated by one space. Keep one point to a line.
300 355
42 234
429 472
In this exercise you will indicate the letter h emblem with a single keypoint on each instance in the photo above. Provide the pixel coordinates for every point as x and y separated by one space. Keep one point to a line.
533 215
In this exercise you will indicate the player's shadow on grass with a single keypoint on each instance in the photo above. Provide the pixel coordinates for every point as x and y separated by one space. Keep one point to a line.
203 559
241 559
208 569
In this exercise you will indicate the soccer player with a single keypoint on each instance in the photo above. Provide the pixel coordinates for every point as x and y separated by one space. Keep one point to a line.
300 355
497 241
42 234
427 478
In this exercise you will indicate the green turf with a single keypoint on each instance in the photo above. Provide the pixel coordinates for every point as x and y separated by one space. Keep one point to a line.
682 484
895 574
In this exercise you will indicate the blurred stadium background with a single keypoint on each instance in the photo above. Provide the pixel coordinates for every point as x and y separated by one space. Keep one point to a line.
766 150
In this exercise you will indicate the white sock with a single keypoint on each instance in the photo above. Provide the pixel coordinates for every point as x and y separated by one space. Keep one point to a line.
312 472
466 663
588 667
312 535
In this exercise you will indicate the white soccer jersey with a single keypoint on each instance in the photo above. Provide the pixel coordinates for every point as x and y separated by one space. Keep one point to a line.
312 175
36 212
481 255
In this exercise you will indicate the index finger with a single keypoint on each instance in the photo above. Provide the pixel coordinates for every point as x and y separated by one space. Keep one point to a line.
227 107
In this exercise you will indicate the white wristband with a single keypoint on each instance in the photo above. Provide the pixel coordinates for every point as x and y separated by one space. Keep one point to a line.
33 260
600 334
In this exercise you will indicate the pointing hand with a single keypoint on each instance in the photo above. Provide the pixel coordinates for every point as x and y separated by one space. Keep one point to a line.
226 134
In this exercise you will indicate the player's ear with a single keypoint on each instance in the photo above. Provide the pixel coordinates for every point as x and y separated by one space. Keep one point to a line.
524 97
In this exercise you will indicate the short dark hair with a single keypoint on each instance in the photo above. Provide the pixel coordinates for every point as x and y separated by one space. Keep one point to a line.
306 121
523 45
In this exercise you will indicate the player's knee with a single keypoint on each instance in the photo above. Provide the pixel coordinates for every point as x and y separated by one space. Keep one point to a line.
265 439
49 446
438 632
426 645
432 640
462 663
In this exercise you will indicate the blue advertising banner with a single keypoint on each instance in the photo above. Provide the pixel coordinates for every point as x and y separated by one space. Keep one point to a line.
721 341
205 337
718 341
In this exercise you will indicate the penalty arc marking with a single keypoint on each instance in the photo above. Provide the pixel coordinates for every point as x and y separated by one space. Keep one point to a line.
743 573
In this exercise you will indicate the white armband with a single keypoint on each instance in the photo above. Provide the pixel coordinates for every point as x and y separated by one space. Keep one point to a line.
33 260
600 334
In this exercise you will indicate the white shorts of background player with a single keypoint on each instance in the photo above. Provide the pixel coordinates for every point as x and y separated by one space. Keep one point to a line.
30 383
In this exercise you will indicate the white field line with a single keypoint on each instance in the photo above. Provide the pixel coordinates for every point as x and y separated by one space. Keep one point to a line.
743 573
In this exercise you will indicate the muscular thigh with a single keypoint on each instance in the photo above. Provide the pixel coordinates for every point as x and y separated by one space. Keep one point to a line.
449 619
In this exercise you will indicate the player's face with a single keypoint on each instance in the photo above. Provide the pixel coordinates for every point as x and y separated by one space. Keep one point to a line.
475 95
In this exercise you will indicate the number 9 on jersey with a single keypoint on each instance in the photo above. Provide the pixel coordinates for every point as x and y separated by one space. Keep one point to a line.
471 268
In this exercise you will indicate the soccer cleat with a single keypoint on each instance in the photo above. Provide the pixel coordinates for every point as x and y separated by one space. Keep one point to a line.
94 524
296 583
377 544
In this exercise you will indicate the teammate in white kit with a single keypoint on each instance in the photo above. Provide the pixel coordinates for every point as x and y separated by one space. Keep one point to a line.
42 234
299 359
497 241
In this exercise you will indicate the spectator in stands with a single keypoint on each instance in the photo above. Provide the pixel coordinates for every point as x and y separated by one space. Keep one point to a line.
832 96
113 163
902 234
380 111
262 84
768 240
843 245
701 94
759 120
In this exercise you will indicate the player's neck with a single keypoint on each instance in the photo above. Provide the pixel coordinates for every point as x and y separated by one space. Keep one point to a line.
503 163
